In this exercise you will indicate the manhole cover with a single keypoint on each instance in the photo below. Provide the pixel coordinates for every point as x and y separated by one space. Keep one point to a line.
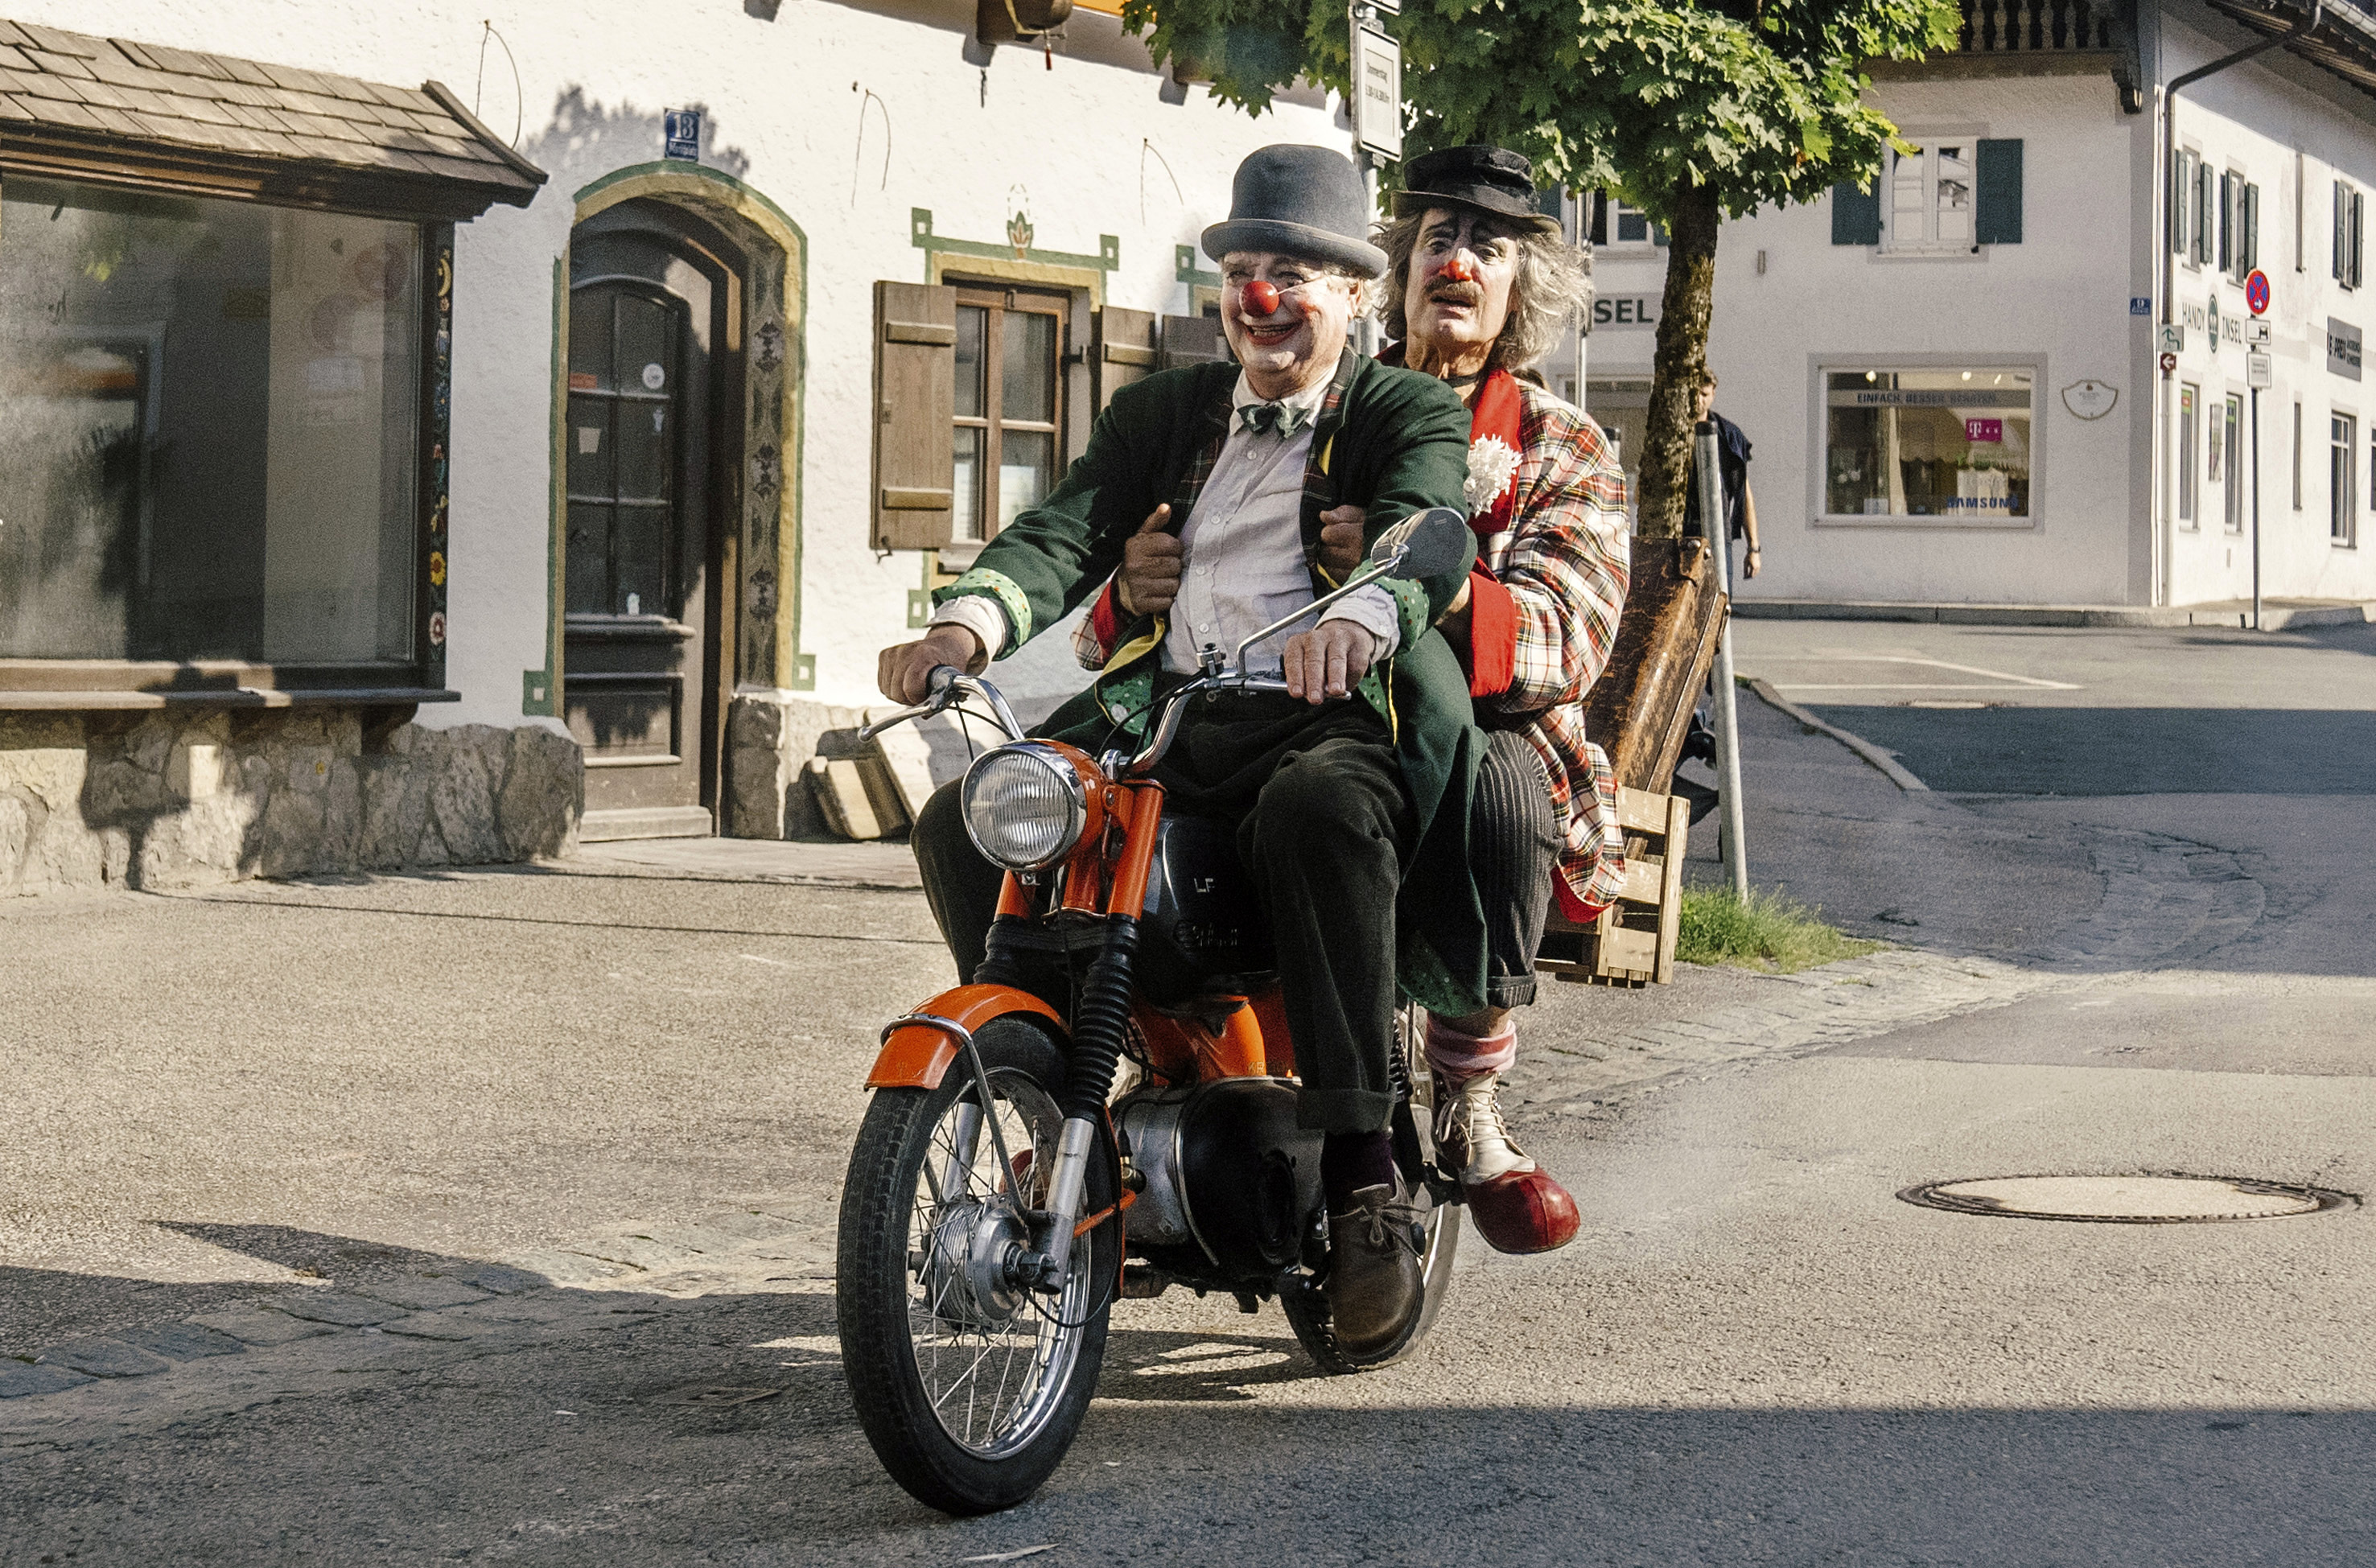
2125 1200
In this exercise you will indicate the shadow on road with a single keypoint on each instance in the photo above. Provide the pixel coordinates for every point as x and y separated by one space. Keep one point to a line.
2124 751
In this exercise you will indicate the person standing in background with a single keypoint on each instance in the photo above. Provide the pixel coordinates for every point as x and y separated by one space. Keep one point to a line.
1732 468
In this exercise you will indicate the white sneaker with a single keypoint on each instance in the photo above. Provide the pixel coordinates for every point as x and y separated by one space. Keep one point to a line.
1472 1139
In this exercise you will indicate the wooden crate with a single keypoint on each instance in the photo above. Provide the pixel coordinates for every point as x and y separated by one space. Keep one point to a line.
1639 713
1632 942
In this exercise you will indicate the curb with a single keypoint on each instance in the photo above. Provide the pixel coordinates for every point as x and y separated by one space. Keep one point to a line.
1889 765
2273 617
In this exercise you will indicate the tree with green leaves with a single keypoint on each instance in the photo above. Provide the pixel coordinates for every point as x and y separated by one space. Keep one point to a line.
1692 111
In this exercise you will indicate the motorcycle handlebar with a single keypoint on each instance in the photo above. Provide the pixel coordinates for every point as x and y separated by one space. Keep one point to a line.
949 686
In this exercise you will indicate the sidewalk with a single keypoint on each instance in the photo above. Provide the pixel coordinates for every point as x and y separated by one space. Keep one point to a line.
2276 614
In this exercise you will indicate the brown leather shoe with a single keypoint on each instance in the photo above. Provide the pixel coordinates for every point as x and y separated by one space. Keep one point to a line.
1373 1278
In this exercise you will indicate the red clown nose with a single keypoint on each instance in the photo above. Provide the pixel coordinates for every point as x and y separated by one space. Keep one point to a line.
1261 298
1459 270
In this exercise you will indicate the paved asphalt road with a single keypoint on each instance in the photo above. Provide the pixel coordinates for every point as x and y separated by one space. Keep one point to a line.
277 1100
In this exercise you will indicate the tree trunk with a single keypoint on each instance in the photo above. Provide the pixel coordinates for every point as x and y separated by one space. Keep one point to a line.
1683 360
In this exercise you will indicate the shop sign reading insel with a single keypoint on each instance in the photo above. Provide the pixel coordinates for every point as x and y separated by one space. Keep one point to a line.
2341 348
1624 313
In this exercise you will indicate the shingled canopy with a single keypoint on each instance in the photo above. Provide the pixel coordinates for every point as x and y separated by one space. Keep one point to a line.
111 111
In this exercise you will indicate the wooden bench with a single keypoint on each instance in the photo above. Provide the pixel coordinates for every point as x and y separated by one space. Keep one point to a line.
1639 713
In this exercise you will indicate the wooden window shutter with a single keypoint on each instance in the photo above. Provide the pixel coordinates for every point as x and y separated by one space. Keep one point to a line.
2248 260
915 402
1600 232
1190 339
1998 193
1855 215
1121 350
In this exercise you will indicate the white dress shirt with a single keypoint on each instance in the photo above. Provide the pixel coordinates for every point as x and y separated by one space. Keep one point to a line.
1243 564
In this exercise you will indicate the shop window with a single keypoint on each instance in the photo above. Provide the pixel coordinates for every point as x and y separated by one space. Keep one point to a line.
1947 446
213 410
1008 411
2228 445
2341 480
2189 400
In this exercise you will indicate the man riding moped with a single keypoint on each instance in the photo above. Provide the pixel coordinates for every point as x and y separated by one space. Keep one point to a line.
1339 808
1479 286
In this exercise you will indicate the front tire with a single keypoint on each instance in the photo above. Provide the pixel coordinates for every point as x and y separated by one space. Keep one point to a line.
970 1393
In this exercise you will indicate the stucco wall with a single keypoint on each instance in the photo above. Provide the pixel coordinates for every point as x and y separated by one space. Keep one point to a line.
1095 143
2059 298
2252 119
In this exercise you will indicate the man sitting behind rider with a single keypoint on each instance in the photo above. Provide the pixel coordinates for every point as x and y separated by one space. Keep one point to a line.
1479 287
1222 473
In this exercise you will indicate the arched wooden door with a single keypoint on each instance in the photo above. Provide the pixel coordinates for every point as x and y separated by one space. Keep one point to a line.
648 329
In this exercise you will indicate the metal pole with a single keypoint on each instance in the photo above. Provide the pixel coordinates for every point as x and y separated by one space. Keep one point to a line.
1367 331
1731 842
2256 508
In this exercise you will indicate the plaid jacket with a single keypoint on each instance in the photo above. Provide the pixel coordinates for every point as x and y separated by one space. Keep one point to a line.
1564 561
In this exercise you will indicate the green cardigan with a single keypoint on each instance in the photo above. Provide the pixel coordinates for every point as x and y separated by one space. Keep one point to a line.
1390 440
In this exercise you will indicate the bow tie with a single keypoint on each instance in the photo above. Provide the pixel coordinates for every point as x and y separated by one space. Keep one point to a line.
1283 418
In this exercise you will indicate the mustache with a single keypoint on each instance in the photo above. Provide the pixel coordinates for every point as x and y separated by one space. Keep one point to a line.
1456 294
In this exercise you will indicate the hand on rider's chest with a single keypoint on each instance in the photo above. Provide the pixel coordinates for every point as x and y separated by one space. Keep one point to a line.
1244 543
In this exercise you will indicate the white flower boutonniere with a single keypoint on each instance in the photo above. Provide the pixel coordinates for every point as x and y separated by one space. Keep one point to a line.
1492 465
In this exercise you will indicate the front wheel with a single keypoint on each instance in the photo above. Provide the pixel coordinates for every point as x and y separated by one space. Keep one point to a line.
969 1387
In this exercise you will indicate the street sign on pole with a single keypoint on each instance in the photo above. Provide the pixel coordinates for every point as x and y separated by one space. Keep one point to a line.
2256 332
2256 291
1377 93
2169 363
2256 371
2173 338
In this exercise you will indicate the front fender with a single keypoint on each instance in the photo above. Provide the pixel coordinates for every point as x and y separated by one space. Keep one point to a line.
914 1056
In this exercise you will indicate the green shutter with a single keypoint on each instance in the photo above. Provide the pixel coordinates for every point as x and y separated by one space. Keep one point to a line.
1855 215
1997 198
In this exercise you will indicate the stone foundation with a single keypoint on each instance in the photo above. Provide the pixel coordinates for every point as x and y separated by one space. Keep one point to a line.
184 798
769 738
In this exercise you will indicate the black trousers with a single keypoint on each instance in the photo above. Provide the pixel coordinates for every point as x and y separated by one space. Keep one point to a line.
1325 828
1513 846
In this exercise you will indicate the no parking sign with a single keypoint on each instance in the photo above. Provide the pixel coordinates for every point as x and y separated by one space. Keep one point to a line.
2256 291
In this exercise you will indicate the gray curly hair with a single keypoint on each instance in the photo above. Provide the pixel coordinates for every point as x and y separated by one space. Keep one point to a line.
1553 286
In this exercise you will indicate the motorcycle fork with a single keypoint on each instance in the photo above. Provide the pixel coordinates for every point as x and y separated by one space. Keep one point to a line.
1103 1013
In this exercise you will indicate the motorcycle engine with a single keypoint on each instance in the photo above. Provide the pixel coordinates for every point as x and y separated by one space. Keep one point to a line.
1227 1170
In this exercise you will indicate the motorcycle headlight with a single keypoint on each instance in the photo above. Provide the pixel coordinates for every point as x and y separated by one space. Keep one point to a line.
1024 806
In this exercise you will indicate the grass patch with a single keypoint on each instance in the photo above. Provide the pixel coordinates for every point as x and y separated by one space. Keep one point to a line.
1766 931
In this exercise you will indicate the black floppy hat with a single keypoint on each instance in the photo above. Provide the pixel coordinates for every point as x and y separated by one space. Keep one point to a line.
1304 201
1487 179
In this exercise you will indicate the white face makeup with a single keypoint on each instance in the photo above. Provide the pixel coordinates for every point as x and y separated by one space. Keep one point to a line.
1299 340
1457 298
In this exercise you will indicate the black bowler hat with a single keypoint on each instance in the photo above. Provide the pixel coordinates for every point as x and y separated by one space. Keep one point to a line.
1302 201
1488 179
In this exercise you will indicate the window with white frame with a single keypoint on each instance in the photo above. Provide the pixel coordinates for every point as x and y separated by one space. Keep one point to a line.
2342 480
2229 436
1930 198
1613 223
2189 399
1948 445
2350 225
2240 225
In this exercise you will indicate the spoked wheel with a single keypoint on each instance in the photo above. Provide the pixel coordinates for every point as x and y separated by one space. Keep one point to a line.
970 1387
1414 1122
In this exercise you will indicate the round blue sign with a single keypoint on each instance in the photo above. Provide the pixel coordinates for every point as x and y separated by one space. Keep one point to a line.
2256 291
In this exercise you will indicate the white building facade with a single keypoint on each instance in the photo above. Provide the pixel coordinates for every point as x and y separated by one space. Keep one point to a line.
810 298
1954 381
